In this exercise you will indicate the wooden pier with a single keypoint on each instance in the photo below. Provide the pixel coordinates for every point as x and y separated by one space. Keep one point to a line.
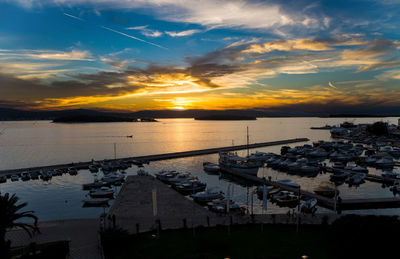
329 203
148 158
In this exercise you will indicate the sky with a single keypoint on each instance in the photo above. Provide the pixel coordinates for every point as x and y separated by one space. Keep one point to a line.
135 55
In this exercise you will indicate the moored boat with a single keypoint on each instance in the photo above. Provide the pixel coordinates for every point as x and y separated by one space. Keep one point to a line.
229 162
210 167
327 189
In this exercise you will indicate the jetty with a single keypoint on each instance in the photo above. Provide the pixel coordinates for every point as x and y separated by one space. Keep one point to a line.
329 203
156 157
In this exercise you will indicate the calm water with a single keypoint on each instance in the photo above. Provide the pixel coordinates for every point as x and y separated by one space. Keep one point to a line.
28 143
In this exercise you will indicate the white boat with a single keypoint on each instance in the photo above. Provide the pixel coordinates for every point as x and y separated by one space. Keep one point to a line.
385 162
207 196
113 178
210 167
280 195
164 175
338 165
14 177
309 206
309 169
230 162
102 192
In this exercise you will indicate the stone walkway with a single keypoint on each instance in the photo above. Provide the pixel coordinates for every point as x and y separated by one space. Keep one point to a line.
82 234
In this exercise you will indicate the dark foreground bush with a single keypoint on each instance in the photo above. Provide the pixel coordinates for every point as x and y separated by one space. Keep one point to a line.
56 250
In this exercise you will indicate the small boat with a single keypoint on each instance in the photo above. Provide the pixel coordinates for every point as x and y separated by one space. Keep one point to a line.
93 169
290 201
14 177
356 179
164 176
94 185
210 167
309 206
385 162
280 195
230 162
102 192
3 179
339 176
25 176
390 174
190 187
260 190
45 176
34 175
338 165
220 206
359 169
72 171
327 189
94 202
207 196
142 172
113 178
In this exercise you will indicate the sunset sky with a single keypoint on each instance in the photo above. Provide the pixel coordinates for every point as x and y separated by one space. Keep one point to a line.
200 54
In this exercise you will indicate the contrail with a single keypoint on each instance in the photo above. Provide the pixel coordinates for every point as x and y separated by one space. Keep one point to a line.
127 35
124 34
69 15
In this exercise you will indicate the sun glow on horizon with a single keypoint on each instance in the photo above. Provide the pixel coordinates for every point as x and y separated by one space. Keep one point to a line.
178 108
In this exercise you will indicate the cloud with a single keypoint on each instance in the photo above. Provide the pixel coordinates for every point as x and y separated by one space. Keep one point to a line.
24 54
146 31
182 33
209 13
72 16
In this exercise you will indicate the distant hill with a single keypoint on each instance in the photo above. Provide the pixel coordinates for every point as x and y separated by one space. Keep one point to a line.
227 117
9 114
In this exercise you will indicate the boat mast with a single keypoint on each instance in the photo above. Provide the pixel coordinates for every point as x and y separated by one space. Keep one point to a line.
247 140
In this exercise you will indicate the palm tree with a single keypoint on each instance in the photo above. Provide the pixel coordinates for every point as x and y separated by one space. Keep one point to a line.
9 215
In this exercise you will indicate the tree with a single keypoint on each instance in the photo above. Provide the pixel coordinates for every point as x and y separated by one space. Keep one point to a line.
9 214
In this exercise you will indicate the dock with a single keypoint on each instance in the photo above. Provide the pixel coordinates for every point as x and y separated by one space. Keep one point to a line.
329 203
369 177
156 157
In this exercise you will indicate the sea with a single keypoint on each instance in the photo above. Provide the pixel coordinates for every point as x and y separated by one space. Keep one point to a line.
40 143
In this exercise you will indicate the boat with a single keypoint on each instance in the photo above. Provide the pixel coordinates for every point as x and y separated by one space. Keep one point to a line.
180 178
356 179
94 185
231 163
94 202
260 190
385 162
327 189
390 174
338 165
25 176
46 176
326 127
113 178
220 206
189 187
280 195
339 176
142 172
72 171
102 192
309 169
34 175
210 167
3 179
309 206
360 169
290 201
164 175
207 196
93 169
14 177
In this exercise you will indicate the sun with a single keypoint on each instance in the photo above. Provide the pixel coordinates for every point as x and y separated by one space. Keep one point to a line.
179 108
